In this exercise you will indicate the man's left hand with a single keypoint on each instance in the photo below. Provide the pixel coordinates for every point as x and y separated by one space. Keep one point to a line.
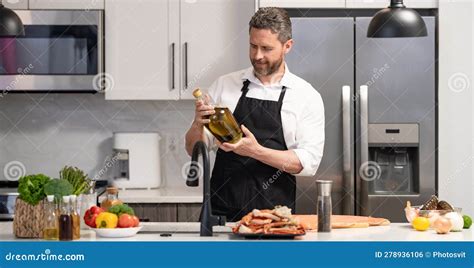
247 146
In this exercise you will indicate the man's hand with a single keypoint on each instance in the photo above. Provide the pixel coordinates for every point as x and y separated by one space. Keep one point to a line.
202 112
247 146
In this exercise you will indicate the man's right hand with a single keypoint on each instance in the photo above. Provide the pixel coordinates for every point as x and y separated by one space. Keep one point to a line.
202 113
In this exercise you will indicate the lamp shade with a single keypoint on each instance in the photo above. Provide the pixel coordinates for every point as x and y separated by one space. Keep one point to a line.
397 21
10 23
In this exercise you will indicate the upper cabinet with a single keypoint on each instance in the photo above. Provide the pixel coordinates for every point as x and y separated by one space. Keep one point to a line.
214 40
66 4
164 49
303 3
344 3
386 3
141 49
16 4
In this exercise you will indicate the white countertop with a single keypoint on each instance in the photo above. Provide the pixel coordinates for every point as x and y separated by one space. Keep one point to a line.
162 195
190 232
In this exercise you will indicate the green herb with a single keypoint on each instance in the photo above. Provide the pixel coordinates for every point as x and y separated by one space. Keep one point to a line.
31 188
80 181
121 209
58 188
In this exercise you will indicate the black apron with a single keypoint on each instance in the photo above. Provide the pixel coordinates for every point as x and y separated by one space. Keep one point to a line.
240 184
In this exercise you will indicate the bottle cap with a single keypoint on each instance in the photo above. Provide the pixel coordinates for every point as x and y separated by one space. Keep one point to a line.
50 198
197 93
73 198
66 199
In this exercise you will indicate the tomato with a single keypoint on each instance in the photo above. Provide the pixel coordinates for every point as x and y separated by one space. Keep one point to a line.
126 221
136 221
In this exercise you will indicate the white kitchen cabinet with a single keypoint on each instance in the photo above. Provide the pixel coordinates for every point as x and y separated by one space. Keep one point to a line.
303 3
139 44
67 4
386 3
209 38
214 40
16 4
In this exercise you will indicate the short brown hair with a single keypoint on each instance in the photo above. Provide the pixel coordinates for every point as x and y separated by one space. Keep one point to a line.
275 19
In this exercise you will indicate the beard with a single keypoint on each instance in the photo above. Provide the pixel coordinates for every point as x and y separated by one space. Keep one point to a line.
266 68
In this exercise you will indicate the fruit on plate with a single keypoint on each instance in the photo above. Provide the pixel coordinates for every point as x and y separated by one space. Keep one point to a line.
456 220
126 221
136 221
467 221
442 225
106 220
91 215
421 223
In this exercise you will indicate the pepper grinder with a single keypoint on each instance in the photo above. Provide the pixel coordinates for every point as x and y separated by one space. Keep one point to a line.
324 205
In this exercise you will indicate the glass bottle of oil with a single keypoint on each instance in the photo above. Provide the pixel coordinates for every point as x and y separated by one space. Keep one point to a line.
76 219
65 220
51 225
111 200
222 123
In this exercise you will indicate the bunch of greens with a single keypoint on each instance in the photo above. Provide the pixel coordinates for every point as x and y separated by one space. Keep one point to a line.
80 182
31 188
121 209
58 188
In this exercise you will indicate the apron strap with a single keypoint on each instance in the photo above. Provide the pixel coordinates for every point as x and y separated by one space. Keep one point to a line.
245 87
282 95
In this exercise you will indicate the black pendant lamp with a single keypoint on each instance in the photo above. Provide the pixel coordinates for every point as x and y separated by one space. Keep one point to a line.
397 21
10 23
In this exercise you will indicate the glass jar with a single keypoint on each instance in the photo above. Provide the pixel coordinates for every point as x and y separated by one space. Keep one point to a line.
111 199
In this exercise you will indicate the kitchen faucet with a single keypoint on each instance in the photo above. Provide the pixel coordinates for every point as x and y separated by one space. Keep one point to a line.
207 219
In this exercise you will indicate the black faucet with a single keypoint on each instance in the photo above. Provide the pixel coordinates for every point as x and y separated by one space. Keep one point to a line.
207 219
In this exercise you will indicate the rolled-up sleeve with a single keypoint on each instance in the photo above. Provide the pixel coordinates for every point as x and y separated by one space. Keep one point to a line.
310 136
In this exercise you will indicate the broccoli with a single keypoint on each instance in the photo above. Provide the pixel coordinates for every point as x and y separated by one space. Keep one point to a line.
121 209
58 188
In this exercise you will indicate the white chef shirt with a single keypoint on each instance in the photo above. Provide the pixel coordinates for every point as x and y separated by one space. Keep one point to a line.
302 112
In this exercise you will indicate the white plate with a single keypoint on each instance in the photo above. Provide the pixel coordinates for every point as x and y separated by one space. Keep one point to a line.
117 232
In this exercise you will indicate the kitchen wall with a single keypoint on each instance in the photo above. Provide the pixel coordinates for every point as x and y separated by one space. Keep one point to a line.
45 132
456 113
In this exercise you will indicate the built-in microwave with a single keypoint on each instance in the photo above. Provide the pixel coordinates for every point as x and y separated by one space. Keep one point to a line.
61 51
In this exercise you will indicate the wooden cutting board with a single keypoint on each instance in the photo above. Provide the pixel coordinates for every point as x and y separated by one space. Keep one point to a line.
310 222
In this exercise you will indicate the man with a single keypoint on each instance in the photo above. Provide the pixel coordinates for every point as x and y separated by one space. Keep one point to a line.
281 116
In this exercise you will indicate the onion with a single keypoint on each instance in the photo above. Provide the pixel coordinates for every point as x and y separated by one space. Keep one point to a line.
442 225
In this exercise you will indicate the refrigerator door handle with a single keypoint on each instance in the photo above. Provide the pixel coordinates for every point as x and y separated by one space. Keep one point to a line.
348 179
363 196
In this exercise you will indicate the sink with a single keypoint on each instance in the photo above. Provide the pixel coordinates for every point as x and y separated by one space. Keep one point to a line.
181 227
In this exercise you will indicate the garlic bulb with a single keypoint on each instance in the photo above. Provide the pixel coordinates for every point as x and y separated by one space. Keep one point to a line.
457 221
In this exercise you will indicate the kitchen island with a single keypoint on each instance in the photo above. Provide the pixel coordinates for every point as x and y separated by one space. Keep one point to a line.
189 231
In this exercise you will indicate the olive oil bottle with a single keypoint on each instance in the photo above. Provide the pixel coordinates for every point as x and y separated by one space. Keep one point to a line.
76 219
222 123
51 224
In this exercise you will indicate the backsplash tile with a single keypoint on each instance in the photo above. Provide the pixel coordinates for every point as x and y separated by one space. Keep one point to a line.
45 132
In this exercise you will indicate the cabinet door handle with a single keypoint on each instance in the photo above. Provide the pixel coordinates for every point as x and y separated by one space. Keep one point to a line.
185 65
172 66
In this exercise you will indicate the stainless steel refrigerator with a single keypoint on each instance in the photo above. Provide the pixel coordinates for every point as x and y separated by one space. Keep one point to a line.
380 111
